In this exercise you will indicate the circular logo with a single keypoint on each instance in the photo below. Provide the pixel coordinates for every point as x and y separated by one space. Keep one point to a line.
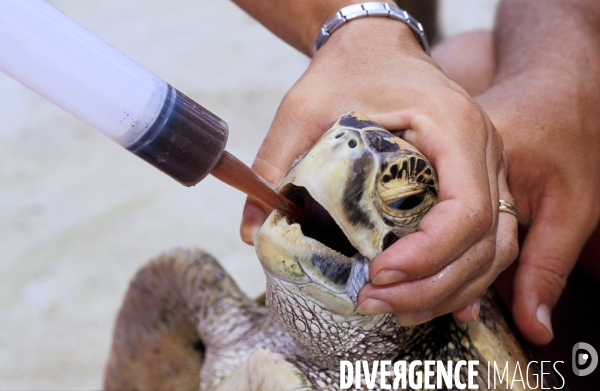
584 359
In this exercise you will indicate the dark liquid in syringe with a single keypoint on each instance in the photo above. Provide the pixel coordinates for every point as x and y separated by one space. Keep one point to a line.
185 141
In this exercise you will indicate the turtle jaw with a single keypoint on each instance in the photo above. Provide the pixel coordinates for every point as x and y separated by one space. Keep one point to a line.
289 255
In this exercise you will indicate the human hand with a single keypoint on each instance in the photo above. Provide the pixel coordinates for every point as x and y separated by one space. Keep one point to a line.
549 126
375 66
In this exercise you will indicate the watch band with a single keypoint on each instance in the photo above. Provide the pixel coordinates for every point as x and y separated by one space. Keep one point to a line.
364 10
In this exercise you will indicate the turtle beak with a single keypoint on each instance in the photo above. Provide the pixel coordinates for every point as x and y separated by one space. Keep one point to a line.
312 249
288 254
351 269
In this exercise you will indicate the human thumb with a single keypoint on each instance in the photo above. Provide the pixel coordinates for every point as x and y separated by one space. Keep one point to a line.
288 137
548 255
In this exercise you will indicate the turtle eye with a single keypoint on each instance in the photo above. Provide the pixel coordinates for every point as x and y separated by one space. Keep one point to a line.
408 203
407 189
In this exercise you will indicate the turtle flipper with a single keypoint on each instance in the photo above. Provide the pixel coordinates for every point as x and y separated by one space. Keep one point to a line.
184 323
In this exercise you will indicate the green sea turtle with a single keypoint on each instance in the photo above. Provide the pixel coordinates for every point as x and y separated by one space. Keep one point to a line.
185 324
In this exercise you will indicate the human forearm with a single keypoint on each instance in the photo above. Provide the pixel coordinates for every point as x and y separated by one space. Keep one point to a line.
553 35
552 47
296 22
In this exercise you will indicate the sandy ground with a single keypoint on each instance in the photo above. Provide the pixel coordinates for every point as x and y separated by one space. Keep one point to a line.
78 215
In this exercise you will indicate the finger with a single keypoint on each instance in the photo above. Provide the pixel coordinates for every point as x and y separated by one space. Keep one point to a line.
464 299
276 154
288 137
549 254
254 215
470 312
463 215
448 290
393 121
438 292
467 299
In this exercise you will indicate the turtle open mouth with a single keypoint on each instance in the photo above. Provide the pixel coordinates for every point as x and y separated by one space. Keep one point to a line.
317 223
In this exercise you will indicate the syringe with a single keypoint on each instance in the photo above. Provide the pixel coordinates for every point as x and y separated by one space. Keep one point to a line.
65 63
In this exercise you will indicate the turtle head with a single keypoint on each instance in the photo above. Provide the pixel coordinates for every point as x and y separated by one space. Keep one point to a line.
360 188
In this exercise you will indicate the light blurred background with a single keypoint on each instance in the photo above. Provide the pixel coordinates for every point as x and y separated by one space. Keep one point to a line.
79 215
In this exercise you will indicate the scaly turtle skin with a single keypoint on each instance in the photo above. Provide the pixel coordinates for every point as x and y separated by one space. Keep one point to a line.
361 188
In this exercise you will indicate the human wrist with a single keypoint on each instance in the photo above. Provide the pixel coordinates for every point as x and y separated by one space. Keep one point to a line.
372 9
378 38
320 16
546 37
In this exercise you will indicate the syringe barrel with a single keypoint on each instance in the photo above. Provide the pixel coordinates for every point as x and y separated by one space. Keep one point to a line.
186 140
59 59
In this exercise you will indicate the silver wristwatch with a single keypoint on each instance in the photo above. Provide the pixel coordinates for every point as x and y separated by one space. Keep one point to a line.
364 10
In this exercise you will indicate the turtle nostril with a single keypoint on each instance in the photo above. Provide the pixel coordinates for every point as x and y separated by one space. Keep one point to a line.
339 135
352 143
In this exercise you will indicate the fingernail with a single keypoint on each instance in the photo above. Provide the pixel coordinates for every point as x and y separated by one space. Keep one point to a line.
413 319
475 307
543 316
374 307
388 277
252 219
